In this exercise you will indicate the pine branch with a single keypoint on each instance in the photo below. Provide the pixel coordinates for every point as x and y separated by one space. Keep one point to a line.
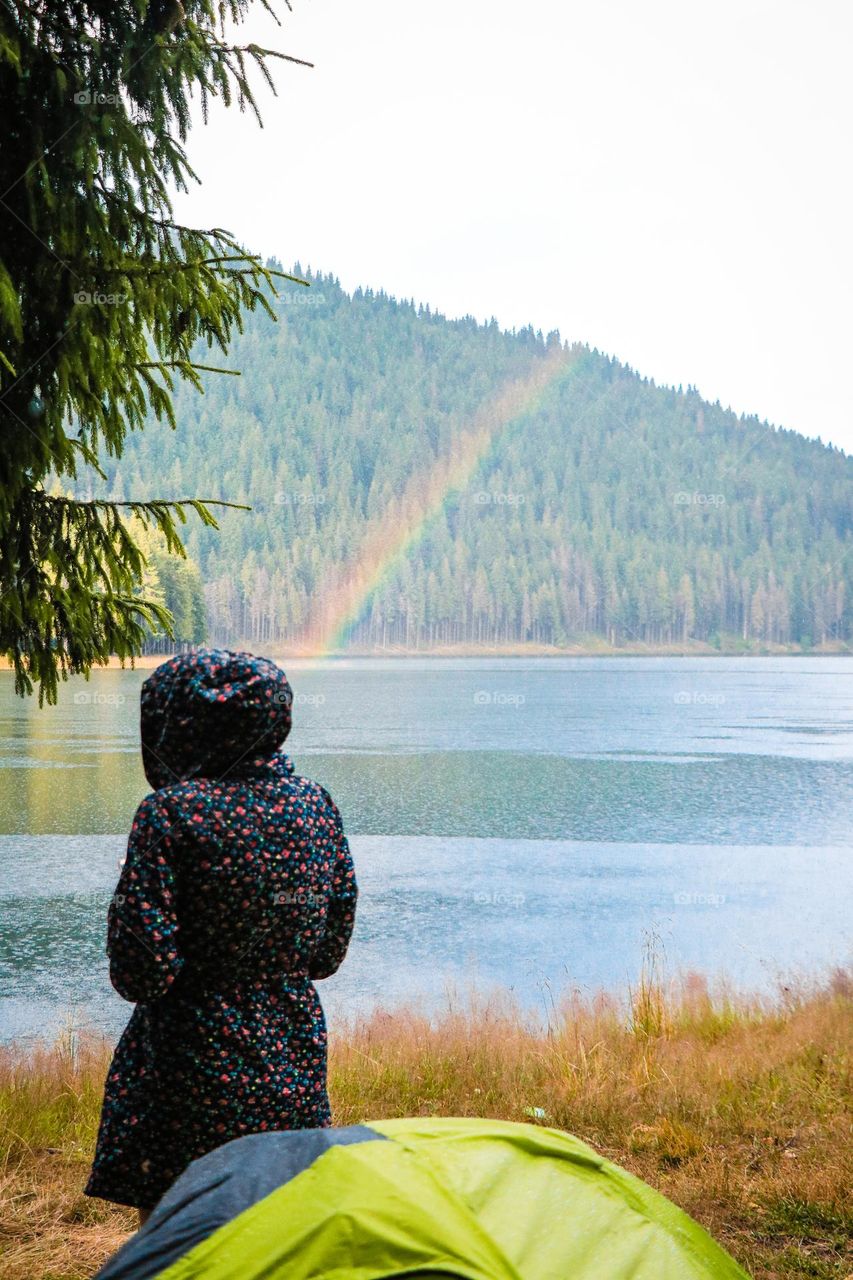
183 365
254 51
103 298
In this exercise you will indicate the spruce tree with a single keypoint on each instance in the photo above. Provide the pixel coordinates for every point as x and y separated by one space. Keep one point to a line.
104 296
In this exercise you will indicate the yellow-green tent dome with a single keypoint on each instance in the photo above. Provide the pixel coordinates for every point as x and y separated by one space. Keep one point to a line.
480 1199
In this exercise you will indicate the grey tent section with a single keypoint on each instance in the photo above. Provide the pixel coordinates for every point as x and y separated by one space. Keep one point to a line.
219 1187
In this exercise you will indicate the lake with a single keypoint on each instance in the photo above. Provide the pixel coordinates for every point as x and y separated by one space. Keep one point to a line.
524 824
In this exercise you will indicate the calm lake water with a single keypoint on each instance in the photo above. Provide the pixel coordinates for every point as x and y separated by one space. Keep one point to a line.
516 823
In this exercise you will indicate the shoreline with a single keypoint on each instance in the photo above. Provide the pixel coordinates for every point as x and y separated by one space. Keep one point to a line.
694 649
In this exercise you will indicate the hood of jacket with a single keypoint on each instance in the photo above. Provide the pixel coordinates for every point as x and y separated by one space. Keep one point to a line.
210 714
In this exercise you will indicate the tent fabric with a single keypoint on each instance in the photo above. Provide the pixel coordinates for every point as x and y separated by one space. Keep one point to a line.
471 1198
216 1189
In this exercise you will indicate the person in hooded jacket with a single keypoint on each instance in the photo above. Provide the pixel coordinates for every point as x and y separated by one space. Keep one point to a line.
237 892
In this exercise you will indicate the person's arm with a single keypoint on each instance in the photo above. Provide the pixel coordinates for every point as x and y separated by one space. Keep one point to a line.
142 927
340 917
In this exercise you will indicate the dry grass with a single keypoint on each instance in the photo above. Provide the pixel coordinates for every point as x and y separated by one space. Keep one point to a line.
737 1109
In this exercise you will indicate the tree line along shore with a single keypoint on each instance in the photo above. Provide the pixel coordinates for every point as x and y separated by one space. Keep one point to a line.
155 654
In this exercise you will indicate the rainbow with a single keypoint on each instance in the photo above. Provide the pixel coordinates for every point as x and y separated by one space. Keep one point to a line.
392 535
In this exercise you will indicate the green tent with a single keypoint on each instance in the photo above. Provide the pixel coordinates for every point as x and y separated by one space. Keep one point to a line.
481 1199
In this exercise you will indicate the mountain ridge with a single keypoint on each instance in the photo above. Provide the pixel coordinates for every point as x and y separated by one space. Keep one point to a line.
612 511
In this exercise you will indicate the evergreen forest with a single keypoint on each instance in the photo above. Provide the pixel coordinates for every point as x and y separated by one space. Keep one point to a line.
609 511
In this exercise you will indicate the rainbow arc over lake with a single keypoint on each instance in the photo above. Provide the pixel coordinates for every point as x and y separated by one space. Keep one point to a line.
391 535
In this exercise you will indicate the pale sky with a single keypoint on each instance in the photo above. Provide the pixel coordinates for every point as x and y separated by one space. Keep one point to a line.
667 180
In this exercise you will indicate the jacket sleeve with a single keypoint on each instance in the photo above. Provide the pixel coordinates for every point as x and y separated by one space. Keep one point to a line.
340 917
142 927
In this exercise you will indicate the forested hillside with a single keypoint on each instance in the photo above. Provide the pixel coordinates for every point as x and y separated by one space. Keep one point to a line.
609 507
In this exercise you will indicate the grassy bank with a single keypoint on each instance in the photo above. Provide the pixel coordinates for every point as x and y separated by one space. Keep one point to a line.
736 1108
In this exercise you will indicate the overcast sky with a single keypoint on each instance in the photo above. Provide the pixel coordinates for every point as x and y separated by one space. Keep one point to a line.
668 181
